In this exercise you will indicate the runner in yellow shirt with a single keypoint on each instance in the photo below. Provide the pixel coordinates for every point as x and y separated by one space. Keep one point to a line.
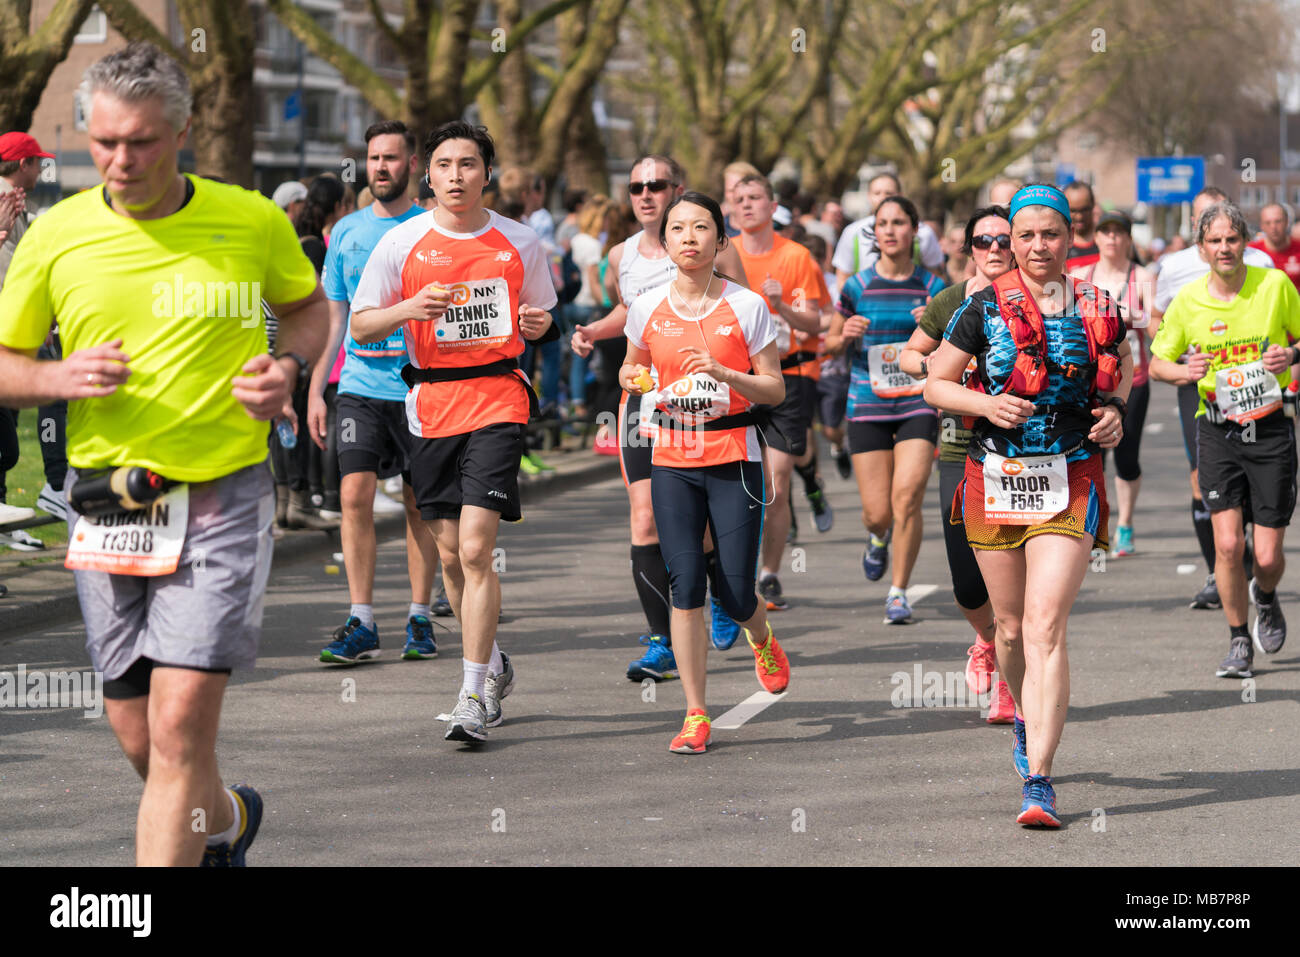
1236 324
156 280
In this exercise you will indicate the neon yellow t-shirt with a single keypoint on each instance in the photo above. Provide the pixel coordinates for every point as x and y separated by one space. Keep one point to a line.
183 293
1265 311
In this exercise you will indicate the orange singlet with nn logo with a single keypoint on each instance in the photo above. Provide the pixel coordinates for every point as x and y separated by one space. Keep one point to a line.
737 327
490 273
803 287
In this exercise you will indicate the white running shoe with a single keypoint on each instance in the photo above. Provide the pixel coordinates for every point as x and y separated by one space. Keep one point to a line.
468 719
385 505
52 502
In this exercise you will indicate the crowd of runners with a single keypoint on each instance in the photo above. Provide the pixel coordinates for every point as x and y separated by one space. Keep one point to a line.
733 337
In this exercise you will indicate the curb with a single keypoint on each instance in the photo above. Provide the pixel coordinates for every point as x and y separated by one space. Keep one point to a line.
63 606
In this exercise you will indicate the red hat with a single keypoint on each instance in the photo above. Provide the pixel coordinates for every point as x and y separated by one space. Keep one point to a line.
20 146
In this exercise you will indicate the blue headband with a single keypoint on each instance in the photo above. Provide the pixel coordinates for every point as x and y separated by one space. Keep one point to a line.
1048 196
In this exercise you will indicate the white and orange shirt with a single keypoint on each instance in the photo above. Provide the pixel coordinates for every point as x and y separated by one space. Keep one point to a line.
490 273
737 327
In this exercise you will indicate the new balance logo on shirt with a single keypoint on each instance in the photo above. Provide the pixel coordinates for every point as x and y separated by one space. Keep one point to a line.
504 256
723 330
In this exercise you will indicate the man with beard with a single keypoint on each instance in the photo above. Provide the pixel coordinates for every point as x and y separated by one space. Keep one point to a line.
373 439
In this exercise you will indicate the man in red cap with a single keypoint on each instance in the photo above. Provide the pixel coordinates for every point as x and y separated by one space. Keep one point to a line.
20 170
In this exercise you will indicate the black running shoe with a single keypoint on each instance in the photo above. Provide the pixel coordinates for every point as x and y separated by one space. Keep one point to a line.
843 464
770 589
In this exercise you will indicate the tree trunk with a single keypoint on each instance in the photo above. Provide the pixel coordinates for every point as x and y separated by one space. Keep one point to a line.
27 59
585 160
516 139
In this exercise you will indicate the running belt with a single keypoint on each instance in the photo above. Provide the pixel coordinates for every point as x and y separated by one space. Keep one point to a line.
501 367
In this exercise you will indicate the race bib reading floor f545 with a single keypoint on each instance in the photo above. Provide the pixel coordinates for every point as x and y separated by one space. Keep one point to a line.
478 317
1026 490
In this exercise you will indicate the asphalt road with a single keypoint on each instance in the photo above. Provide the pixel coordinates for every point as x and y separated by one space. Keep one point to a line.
1161 762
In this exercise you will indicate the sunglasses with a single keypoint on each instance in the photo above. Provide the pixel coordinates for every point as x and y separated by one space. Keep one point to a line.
986 241
654 185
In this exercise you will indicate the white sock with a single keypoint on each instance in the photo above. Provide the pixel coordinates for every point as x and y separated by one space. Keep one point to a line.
366 613
229 834
496 665
475 677
895 590
419 610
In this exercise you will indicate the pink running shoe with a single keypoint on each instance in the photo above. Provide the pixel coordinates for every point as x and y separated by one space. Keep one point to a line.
1002 709
981 665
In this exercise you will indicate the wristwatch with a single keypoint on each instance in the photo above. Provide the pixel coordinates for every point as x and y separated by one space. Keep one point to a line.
1119 404
925 367
304 368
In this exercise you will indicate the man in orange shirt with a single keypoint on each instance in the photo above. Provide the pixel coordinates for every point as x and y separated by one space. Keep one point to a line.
466 286
787 276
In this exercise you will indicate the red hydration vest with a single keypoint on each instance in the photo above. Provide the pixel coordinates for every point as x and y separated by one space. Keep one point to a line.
1021 314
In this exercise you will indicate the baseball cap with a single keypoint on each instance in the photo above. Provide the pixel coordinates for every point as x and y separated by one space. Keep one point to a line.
782 217
1116 216
20 146
288 192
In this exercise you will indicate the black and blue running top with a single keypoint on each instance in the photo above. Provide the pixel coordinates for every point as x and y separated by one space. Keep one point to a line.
1062 415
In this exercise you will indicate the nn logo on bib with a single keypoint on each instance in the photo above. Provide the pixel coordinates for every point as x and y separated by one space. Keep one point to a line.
889 354
1013 467
1235 379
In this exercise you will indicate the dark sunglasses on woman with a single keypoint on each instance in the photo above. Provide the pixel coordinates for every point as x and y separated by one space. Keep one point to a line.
985 241
654 185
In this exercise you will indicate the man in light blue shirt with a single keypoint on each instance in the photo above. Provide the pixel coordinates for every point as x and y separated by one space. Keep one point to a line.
373 437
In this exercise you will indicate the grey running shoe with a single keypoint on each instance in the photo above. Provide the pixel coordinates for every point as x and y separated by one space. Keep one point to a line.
823 516
468 720
1237 664
1208 596
496 688
1269 630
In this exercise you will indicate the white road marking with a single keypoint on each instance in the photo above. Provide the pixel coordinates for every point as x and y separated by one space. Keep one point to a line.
756 703
1186 569
1154 428
917 592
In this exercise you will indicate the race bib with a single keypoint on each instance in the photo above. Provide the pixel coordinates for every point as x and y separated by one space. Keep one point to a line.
1247 392
783 335
1026 490
478 317
695 399
888 381
145 542
646 426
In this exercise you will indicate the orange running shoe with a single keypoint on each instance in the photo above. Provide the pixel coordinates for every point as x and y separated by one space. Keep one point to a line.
770 664
981 663
1002 709
696 734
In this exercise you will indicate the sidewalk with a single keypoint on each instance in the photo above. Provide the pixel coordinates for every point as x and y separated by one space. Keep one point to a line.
42 592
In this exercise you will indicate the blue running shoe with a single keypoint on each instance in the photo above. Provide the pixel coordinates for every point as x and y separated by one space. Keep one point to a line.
876 558
1039 806
250 815
658 663
724 631
352 643
897 610
419 639
1019 750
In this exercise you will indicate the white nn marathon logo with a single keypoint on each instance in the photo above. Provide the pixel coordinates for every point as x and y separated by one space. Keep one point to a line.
76 910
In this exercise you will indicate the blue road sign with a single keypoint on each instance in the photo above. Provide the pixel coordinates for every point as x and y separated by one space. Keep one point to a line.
1169 180
293 105
1066 173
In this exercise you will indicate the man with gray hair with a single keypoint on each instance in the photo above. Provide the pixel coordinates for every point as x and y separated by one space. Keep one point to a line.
1178 269
1237 324
171 386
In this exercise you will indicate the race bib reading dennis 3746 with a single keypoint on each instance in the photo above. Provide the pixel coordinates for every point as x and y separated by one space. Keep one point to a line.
478 317
1025 490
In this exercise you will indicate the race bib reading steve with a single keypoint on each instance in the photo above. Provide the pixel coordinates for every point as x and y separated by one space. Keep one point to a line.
1247 392
478 317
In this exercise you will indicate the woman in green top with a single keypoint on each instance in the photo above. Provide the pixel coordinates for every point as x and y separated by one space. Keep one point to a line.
988 243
